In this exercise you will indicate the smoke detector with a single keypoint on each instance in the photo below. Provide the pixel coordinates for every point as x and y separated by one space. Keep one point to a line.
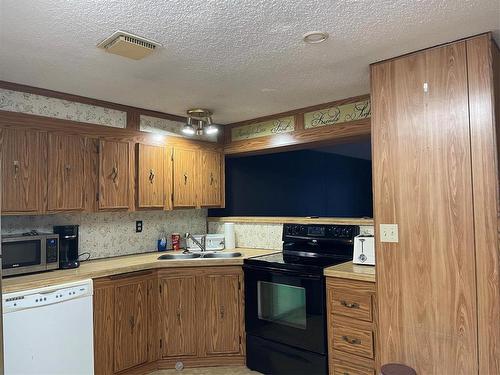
128 45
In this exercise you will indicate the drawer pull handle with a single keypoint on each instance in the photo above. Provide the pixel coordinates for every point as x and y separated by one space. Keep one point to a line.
353 305
351 341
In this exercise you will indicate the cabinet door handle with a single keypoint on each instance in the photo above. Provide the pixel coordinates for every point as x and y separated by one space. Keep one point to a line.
178 316
16 168
151 176
185 178
211 178
352 305
222 312
132 322
351 341
114 173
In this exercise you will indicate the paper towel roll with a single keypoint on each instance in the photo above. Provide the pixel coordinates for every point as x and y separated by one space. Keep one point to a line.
229 238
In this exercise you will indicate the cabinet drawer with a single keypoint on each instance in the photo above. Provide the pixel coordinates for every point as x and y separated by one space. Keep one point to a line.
347 368
353 305
352 339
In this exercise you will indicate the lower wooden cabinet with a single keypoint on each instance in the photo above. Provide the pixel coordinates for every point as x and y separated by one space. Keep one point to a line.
154 319
351 308
124 322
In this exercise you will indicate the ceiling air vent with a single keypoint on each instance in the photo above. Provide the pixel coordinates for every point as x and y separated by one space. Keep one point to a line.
128 45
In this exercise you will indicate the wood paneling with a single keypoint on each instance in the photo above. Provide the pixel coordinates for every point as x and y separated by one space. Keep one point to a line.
104 319
221 294
23 165
114 180
356 306
209 184
151 176
178 307
483 61
184 177
66 173
426 283
131 326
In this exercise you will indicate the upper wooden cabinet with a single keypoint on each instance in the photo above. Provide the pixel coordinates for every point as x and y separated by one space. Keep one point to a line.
154 178
66 174
210 178
184 177
24 170
114 168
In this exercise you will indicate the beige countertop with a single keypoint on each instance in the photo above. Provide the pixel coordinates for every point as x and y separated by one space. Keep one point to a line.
348 270
117 265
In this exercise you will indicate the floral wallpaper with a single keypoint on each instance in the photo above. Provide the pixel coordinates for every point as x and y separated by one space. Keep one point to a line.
168 127
263 236
109 234
32 104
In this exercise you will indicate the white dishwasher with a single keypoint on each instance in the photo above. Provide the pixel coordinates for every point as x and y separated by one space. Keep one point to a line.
49 330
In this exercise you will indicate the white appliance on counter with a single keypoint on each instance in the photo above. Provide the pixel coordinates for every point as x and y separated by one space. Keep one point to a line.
49 330
213 242
364 250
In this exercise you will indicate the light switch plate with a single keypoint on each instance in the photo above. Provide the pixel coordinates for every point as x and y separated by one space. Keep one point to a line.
389 233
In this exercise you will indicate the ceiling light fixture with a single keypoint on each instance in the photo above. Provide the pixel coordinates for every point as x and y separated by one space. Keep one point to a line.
315 37
199 122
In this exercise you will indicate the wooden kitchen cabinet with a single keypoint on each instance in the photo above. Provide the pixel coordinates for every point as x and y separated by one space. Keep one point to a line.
184 177
66 174
351 319
114 180
24 170
209 184
221 295
154 178
178 314
124 322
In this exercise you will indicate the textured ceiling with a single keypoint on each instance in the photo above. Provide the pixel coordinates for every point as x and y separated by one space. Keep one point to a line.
240 58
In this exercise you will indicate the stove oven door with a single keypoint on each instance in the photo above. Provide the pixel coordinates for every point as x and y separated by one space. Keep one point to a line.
286 306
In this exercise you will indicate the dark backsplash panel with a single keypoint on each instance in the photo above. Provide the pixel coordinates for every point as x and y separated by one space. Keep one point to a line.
297 183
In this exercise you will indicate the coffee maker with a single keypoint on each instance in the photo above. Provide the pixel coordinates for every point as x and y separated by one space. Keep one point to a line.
68 245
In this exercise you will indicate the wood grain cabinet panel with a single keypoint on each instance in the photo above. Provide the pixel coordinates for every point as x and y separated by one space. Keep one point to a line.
222 306
152 180
66 173
131 327
346 368
426 283
210 182
353 305
178 308
114 175
184 177
24 169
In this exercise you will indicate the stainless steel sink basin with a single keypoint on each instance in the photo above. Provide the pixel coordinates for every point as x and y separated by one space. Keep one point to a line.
225 254
179 256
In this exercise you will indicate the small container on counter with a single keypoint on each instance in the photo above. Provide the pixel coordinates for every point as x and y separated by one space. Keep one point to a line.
162 243
176 241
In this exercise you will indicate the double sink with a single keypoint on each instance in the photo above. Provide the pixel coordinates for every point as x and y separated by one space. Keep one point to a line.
201 255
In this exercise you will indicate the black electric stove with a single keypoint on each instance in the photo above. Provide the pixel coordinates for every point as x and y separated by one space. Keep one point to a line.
285 308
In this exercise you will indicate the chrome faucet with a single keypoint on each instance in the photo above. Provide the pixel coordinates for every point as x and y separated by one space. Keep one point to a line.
201 245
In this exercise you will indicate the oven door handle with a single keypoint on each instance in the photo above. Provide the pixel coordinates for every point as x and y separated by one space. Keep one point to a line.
283 272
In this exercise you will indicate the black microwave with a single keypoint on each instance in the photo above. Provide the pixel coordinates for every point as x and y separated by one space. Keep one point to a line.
23 254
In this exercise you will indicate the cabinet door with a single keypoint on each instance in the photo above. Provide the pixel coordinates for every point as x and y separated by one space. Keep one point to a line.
184 177
113 175
66 179
23 170
222 313
151 176
178 314
131 325
210 182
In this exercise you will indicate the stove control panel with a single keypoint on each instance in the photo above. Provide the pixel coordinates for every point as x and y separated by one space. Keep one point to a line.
319 231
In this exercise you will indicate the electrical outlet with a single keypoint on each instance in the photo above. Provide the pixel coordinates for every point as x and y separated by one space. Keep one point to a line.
138 226
389 233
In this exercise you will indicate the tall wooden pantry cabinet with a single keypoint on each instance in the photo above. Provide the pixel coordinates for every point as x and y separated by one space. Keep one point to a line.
435 175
